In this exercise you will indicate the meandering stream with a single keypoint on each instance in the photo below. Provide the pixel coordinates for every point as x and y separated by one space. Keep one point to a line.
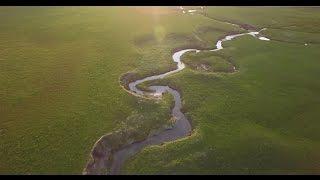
182 127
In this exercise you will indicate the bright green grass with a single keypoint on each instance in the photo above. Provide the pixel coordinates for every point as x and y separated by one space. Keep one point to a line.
262 119
59 76
60 91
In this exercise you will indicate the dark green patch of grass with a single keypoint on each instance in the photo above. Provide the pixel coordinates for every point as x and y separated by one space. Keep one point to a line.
207 62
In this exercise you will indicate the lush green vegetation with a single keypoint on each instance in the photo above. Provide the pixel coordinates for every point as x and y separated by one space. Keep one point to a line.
59 75
262 119
207 61
60 90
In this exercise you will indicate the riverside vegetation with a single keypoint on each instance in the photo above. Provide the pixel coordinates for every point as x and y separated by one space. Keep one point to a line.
60 89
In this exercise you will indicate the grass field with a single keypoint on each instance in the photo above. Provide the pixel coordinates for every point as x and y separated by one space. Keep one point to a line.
209 62
60 92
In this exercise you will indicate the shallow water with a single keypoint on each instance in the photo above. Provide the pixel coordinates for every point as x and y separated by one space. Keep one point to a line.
264 39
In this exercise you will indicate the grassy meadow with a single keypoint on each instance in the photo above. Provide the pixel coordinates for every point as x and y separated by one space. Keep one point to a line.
262 119
60 92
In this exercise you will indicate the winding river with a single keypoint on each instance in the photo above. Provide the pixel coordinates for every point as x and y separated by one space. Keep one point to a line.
182 127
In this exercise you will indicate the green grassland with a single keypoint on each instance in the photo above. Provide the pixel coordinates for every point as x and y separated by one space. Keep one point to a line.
60 92
60 70
208 62
262 119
